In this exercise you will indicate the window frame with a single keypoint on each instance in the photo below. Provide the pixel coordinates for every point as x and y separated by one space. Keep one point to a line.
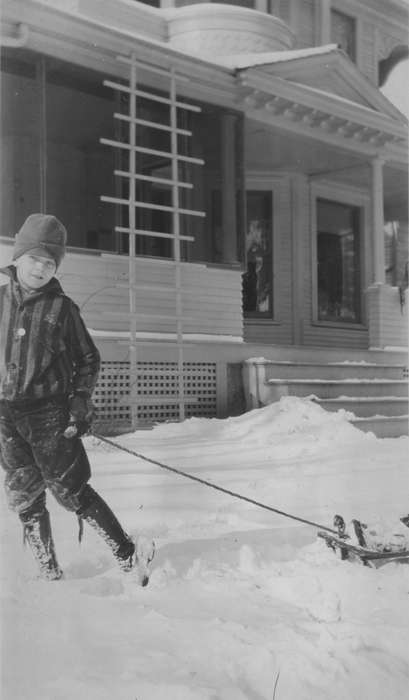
343 195
265 185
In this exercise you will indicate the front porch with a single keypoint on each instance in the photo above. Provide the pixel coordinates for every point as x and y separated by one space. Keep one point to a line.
251 192
216 351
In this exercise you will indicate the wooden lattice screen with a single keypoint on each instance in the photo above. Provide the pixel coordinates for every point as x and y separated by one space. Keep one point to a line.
112 394
180 372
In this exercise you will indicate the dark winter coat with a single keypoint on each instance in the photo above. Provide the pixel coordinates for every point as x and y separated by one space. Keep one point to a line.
45 348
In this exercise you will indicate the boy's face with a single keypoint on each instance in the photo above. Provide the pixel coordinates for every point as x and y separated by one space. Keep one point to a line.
35 269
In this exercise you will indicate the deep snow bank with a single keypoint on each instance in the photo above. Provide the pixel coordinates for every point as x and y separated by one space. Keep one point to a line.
241 603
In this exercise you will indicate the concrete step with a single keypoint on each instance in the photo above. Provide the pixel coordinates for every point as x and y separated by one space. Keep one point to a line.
328 389
373 387
319 355
366 406
333 370
384 426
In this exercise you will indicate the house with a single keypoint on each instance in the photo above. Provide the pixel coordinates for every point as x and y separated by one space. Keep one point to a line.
233 181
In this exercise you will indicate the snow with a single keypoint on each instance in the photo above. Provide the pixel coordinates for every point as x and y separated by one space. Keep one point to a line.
243 603
252 60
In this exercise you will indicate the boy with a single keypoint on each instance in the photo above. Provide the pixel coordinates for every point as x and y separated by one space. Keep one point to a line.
48 370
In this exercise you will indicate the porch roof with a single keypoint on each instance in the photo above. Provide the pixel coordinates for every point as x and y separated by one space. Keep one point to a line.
319 92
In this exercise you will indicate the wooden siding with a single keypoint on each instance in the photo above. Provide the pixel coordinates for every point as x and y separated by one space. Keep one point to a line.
211 296
368 58
388 322
332 337
306 21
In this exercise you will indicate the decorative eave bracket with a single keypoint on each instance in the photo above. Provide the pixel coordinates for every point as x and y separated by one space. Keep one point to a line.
317 118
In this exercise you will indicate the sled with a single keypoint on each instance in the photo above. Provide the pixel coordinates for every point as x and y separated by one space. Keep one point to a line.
361 552
369 557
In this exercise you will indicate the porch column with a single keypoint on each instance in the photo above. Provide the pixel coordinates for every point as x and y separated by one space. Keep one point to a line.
228 163
378 275
325 21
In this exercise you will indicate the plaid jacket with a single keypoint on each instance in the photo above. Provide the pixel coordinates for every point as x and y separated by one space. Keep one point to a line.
45 348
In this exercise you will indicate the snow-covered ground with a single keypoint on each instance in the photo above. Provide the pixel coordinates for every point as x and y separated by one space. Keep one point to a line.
243 604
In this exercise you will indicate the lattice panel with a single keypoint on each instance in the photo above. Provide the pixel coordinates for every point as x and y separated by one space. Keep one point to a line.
112 393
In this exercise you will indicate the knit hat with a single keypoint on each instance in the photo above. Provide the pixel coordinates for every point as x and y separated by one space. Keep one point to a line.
41 231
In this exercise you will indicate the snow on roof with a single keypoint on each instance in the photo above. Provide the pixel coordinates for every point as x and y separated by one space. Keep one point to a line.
250 60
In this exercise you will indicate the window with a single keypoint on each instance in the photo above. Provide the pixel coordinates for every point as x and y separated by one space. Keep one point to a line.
217 139
79 169
343 33
53 161
338 262
258 278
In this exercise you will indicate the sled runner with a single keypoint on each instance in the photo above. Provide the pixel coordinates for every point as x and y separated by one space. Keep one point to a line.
361 551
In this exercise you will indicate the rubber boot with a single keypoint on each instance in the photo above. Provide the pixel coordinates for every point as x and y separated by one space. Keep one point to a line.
98 514
37 532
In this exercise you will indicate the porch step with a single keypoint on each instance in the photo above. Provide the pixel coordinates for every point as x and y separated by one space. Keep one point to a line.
384 426
334 370
366 406
375 392
333 388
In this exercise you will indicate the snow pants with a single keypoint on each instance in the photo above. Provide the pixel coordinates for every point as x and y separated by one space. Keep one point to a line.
35 454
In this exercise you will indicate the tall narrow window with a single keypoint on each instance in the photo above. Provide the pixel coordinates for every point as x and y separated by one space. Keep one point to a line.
343 32
338 262
257 280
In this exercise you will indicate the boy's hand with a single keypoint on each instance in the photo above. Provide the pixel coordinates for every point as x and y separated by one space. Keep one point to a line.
81 415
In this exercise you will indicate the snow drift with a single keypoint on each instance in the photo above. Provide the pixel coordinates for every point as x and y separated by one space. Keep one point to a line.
242 604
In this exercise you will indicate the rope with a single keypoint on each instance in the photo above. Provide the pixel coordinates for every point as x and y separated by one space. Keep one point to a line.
214 486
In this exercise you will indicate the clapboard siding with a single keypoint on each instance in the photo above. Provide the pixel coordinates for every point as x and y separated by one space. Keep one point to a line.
331 337
368 58
283 264
211 297
388 322
306 23
273 333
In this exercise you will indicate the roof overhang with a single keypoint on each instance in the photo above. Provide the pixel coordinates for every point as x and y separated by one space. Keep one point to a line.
275 92
92 43
327 68
272 91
